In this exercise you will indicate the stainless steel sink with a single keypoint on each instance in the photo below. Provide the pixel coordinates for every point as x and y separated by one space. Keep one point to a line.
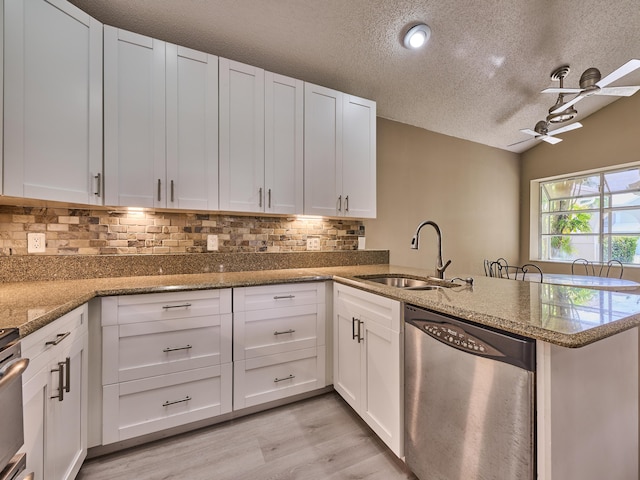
404 282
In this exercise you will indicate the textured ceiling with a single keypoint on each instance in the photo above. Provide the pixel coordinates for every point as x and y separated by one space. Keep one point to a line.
479 78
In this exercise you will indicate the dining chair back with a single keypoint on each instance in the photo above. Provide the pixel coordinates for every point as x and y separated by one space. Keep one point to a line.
500 268
597 269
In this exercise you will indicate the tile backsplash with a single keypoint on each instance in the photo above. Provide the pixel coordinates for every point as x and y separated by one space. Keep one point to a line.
78 231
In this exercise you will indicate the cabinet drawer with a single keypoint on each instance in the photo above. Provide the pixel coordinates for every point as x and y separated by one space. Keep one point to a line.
144 406
164 306
278 330
138 350
353 303
277 296
267 378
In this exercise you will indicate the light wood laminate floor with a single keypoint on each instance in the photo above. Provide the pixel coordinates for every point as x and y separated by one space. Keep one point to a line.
316 439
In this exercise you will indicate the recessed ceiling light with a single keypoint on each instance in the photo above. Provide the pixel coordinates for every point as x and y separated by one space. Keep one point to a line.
417 36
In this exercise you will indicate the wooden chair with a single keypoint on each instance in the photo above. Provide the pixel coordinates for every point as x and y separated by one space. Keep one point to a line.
596 269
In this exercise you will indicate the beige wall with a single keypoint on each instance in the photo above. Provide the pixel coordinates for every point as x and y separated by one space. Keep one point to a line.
470 190
609 137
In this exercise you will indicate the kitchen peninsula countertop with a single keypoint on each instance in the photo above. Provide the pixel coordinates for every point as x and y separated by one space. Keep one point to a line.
561 315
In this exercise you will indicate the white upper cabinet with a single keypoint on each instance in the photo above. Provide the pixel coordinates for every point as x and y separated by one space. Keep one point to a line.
160 123
52 102
261 140
241 137
134 119
283 149
192 129
339 154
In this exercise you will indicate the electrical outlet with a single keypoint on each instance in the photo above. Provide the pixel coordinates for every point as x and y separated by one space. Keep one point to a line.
212 242
313 243
36 242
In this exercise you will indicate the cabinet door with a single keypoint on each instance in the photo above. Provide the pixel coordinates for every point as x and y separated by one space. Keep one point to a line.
347 369
66 424
134 119
283 149
52 102
35 400
359 157
192 129
322 151
241 137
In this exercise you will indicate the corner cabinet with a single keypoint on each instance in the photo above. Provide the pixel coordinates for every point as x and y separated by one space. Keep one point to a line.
166 361
160 123
367 365
52 120
340 154
55 397
261 138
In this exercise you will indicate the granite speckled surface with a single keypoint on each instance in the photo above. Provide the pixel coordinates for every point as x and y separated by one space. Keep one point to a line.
565 316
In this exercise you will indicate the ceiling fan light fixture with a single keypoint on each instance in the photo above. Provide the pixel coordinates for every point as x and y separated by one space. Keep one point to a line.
417 36
562 115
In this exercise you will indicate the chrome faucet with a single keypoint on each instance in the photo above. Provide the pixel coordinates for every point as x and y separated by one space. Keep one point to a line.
440 268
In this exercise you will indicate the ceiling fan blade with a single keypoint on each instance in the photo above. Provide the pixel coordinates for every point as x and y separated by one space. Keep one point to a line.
561 90
565 106
518 143
625 69
528 131
551 140
619 91
566 128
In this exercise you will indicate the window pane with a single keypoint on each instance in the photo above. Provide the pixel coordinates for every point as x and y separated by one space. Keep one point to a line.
570 247
622 221
629 199
623 249
573 187
570 223
622 180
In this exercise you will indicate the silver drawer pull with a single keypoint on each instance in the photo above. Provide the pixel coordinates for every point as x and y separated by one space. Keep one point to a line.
185 399
280 297
175 349
60 370
59 338
283 379
184 305
286 331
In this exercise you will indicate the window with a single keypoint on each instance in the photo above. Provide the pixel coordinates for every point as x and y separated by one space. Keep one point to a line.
595 216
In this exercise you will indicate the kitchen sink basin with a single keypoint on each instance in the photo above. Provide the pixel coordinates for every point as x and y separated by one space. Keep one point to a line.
404 282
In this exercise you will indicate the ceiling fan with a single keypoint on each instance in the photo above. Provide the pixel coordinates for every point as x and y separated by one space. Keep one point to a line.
592 83
541 132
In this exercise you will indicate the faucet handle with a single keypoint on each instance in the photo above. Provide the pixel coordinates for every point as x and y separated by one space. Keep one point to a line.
443 268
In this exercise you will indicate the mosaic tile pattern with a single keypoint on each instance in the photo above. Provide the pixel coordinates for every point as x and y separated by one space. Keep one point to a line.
78 231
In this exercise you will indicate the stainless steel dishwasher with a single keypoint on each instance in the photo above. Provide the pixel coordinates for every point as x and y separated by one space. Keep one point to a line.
469 400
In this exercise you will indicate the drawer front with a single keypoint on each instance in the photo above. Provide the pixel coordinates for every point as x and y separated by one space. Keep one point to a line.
273 377
278 296
164 306
138 350
354 303
144 406
277 330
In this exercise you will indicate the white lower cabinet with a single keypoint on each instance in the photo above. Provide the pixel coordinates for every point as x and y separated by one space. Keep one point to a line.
367 360
166 361
279 341
55 397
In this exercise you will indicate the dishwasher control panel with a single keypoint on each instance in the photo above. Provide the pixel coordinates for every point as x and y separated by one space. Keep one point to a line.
458 338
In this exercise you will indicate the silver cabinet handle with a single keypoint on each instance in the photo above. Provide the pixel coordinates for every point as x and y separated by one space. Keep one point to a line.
183 305
175 349
59 338
172 189
340 203
159 187
346 203
12 371
269 205
280 297
98 178
260 197
283 379
353 328
60 370
67 370
291 330
185 399
360 337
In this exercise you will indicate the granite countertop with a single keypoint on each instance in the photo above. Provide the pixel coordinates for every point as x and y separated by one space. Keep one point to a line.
561 315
